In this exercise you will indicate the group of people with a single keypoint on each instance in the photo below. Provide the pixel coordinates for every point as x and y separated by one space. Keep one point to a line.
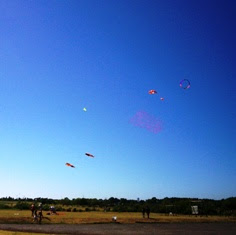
146 210
37 214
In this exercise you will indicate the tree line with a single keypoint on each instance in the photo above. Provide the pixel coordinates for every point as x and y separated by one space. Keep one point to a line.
166 205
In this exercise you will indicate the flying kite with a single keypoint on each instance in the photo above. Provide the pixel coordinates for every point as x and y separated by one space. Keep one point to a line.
84 109
68 164
161 98
89 154
185 84
152 92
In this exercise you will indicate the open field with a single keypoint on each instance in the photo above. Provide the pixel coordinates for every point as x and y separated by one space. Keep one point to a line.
18 221
17 216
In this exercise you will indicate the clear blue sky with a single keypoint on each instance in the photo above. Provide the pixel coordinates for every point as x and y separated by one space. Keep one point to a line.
57 57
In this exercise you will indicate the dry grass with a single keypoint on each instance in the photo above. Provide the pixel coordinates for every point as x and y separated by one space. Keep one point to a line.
16 216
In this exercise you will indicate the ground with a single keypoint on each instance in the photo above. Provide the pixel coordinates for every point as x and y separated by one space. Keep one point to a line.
116 228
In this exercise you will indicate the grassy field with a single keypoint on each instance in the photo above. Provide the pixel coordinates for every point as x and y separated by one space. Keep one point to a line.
17 216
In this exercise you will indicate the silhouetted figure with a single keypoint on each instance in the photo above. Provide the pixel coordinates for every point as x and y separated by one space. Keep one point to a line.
148 211
32 209
40 216
143 211
35 216
40 207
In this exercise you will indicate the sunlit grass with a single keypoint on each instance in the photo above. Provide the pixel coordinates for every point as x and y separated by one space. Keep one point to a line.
17 216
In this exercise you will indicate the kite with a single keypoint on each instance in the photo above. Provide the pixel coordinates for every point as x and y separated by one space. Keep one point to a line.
84 109
161 98
89 154
147 121
185 84
68 164
152 92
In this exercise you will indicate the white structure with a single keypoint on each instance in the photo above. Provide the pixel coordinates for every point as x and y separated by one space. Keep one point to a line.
194 210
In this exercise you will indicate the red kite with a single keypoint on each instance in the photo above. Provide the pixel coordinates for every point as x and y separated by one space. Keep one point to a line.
89 154
68 164
152 92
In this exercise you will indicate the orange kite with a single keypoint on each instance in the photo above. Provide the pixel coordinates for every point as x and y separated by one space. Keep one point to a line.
68 164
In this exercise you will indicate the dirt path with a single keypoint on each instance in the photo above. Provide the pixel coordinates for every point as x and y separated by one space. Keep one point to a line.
157 228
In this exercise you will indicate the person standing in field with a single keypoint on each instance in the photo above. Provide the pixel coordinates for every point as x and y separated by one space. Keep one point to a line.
32 209
35 216
143 211
40 215
148 211
40 206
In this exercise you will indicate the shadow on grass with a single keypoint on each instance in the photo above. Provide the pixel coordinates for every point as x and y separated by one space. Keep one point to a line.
148 221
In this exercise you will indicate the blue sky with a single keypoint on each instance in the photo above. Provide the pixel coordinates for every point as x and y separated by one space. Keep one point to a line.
57 57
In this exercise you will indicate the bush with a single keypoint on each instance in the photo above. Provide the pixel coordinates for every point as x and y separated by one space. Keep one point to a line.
59 208
4 206
22 206
74 210
46 207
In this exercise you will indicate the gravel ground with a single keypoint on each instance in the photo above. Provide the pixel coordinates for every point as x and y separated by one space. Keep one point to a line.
115 228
